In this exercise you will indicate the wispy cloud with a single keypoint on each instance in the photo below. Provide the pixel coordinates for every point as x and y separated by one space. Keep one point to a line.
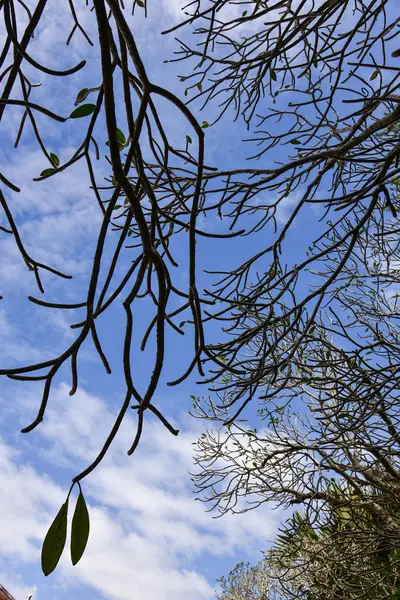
149 538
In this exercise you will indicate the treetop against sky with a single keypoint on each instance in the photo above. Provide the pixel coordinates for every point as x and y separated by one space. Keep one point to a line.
150 254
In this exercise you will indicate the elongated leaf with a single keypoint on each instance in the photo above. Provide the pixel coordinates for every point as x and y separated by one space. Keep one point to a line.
55 159
295 141
120 136
120 146
82 111
47 172
54 541
374 75
80 529
83 94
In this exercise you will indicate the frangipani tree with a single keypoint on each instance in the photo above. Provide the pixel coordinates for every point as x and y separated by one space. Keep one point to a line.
316 84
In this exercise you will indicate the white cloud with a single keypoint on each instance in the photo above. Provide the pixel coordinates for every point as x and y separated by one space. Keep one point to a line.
58 222
20 590
148 535
15 346
26 502
149 538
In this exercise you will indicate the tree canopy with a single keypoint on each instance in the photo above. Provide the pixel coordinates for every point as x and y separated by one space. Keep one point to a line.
346 558
304 327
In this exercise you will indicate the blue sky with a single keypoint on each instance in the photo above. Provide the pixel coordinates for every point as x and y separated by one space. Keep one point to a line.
149 537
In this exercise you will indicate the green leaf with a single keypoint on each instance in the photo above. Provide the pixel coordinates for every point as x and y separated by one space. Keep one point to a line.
140 3
120 146
374 75
117 207
273 75
189 139
199 85
47 172
54 541
244 13
82 95
295 141
205 125
83 111
55 159
120 136
80 529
